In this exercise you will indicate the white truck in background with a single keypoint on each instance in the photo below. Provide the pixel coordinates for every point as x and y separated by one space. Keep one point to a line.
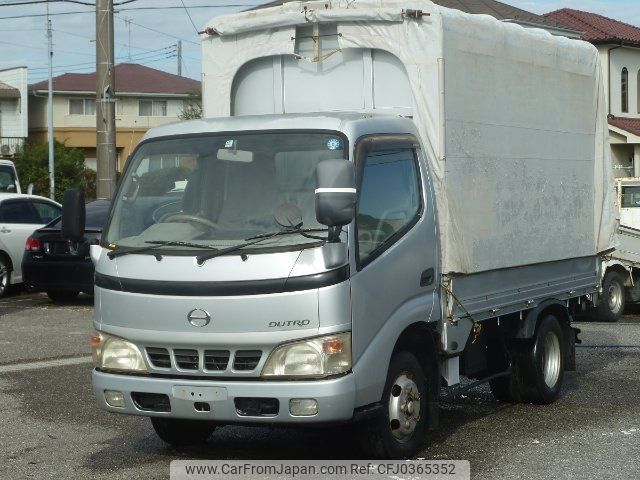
9 182
621 269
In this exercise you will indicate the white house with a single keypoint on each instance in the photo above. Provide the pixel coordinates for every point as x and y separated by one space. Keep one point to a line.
13 110
619 47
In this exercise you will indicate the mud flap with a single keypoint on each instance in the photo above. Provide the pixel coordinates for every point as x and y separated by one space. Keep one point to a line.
571 335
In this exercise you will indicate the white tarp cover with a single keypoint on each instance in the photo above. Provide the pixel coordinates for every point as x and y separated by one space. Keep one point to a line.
517 142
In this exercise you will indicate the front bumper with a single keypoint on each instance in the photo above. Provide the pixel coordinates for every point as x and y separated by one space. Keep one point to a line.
335 397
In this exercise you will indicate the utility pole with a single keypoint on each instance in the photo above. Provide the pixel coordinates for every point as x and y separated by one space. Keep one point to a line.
52 179
105 101
179 58
127 20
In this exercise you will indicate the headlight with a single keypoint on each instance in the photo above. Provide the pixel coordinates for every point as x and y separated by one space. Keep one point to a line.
315 357
114 353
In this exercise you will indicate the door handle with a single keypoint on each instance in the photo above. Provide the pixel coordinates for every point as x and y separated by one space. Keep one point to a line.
426 278
5 230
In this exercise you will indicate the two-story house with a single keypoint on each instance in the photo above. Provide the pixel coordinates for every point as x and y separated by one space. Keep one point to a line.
13 110
145 98
619 46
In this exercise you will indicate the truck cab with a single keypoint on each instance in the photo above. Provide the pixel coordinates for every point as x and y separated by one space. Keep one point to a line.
232 331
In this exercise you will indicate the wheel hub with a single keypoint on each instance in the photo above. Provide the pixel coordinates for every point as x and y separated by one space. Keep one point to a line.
551 361
404 407
614 297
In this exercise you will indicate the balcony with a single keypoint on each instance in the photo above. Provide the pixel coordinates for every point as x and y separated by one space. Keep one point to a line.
10 146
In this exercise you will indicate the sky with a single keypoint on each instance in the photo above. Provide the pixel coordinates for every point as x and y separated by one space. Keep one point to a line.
155 27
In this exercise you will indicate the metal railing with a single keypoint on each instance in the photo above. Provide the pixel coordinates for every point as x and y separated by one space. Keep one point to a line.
10 146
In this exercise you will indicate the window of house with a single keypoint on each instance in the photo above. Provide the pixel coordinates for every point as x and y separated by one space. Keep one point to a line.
389 200
625 90
82 106
152 108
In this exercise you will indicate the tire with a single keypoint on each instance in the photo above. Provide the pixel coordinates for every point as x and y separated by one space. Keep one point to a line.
541 366
178 432
62 295
406 388
5 276
613 298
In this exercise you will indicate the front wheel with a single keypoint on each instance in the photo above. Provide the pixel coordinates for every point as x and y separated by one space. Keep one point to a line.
399 431
180 432
613 298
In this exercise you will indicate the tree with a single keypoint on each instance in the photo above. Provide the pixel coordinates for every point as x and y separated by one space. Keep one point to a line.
32 165
192 107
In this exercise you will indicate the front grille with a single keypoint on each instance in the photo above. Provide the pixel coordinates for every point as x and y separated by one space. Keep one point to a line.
204 361
216 359
247 359
159 357
187 359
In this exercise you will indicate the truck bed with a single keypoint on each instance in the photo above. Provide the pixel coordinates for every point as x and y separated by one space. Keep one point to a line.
628 249
501 292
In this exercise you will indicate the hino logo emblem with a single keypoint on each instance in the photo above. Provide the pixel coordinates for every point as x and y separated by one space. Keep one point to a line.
199 317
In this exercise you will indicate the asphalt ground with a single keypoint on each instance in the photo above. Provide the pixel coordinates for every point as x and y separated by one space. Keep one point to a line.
51 427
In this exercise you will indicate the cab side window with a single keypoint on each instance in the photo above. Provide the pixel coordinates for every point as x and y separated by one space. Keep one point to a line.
389 200
18 211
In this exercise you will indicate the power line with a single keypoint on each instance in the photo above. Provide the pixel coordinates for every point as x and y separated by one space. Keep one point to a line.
138 56
189 15
77 2
159 31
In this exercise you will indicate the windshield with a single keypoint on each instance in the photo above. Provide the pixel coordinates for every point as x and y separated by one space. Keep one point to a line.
219 190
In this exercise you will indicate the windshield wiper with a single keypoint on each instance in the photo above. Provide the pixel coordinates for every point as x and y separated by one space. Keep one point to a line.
257 239
302 231
119 251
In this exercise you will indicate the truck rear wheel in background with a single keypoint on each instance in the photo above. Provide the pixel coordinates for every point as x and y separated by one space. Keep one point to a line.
612 300
180 432
537 369
398 432
63 295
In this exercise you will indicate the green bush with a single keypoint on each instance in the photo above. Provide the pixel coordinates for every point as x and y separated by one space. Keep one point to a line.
32 165
158 182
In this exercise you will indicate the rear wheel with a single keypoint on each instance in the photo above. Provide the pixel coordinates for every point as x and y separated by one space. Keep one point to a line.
5 275
537 367
180 432
62 295
613 298
399 431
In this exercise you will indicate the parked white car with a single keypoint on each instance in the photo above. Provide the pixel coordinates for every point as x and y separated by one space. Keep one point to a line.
20 215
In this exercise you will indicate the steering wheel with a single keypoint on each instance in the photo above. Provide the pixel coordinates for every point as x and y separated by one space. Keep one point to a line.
176 217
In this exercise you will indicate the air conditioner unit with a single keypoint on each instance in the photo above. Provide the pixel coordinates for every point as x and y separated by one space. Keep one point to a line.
5 150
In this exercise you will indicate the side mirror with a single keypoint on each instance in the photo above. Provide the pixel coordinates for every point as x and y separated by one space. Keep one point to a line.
73 215
335 193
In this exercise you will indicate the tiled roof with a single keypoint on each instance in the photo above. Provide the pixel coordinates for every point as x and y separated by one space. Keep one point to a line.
7 91
130 78
499 10
631 125
596 28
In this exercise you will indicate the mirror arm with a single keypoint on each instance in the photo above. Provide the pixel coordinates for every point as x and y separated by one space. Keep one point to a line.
334 234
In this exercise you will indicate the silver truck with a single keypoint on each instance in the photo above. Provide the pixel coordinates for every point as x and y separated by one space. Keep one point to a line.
360 226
